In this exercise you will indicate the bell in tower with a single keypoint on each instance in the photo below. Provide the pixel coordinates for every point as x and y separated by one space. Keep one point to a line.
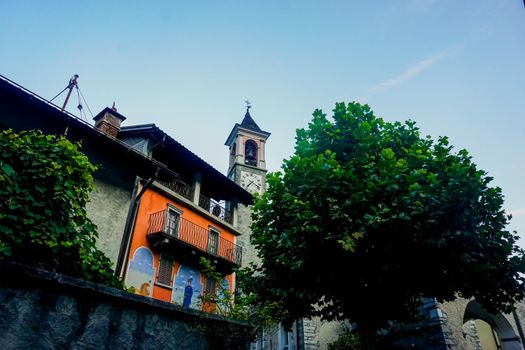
250 157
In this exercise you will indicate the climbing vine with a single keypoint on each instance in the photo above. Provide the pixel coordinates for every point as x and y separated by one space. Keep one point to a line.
44 186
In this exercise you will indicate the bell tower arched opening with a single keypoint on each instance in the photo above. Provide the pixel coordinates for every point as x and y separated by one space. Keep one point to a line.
250 153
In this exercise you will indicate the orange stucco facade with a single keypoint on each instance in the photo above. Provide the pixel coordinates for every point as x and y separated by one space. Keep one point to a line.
144 260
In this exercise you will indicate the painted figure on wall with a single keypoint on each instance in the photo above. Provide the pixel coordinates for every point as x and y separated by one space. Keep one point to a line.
187 288
188 293
141 272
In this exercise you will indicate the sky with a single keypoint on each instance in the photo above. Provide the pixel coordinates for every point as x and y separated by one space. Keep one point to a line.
457 68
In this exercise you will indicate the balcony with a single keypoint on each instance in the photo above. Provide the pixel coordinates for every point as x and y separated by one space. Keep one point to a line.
216 208
180 187
169 233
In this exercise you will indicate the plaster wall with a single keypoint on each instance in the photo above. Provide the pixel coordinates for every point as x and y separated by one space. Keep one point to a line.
108 208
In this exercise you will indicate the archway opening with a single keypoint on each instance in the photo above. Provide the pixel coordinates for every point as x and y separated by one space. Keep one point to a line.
250 153
486 331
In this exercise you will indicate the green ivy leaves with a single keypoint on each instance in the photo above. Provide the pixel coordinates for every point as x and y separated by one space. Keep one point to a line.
44 186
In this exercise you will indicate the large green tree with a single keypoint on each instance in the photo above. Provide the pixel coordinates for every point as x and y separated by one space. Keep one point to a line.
44 186
368 216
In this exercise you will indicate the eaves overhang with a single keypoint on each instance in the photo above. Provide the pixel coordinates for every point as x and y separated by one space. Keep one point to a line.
237 127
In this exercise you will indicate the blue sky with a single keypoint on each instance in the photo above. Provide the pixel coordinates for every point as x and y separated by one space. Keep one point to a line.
455 67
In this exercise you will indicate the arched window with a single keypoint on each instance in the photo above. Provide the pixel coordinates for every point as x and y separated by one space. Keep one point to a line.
250 153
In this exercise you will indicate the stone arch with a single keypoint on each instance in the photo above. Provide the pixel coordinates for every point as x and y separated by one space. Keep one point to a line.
504 334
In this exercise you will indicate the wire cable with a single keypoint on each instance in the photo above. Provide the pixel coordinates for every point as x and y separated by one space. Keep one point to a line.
80 107
85 102
60 93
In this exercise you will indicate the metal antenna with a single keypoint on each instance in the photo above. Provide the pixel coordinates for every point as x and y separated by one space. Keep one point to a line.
70 86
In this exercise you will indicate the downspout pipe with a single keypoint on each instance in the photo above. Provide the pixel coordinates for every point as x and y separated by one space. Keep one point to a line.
130 225
520 328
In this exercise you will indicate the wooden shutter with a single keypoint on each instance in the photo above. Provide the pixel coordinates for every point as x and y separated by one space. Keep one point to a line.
165 270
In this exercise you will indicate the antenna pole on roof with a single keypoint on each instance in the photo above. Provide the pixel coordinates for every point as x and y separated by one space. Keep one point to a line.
70 86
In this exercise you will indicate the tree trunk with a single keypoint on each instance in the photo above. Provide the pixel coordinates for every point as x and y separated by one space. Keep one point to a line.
368 337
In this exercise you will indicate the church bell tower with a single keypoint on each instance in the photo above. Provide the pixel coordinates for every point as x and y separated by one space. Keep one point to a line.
247 164
247 168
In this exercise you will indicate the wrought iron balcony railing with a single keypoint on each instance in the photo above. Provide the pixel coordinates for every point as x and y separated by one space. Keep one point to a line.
212 206
216 208
180 229
180 187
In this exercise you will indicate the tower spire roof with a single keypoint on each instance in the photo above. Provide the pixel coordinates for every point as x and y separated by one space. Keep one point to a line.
249 123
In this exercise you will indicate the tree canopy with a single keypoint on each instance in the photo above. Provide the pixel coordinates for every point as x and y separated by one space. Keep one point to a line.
368 216
44 186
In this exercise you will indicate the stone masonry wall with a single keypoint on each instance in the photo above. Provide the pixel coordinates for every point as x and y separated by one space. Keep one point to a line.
463 335
43 310
244 221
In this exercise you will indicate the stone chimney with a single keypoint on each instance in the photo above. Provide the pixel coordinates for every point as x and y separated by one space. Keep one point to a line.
108 121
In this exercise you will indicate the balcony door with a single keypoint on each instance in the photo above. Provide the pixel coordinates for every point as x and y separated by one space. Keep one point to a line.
172 223
213 241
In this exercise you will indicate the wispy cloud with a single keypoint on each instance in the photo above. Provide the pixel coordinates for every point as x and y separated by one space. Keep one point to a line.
518 212
414 70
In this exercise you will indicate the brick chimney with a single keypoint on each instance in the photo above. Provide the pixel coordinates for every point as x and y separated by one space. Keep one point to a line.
108 121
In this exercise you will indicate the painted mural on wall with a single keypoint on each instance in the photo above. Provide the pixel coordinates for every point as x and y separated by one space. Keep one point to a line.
141 272
187 288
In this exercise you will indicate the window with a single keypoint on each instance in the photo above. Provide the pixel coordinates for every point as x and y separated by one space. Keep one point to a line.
165 270
211 286
284 338
259 341
250 153
213 241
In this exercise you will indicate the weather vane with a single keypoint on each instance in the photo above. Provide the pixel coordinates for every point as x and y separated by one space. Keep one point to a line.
248 105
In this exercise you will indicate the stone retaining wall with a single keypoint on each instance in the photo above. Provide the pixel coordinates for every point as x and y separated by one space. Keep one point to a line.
44 310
